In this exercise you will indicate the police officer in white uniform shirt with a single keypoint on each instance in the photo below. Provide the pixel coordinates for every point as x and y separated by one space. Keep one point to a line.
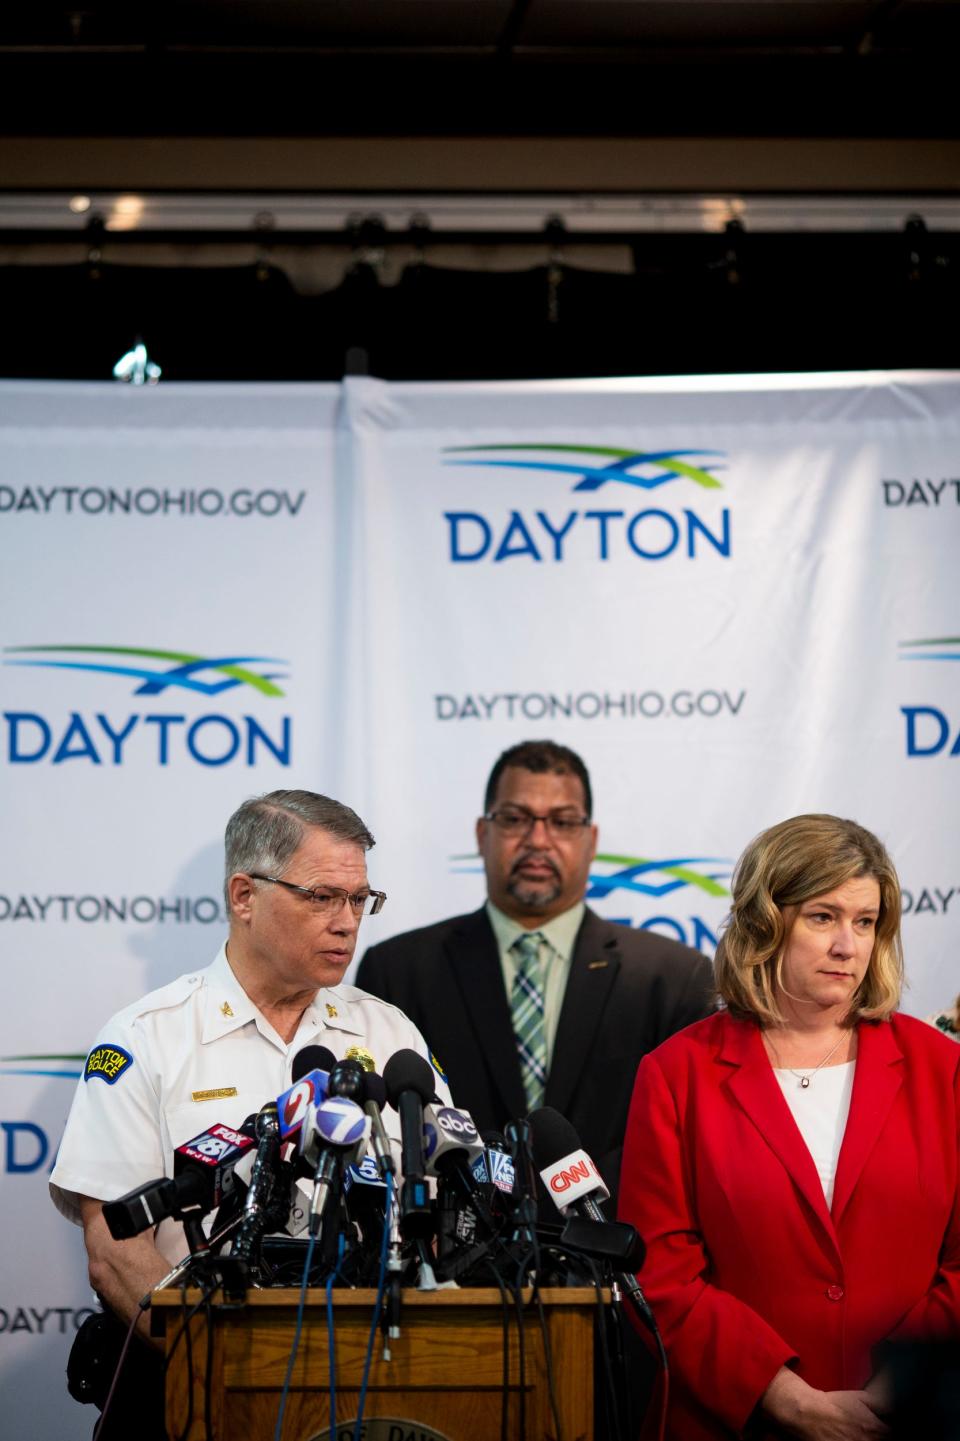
217 1043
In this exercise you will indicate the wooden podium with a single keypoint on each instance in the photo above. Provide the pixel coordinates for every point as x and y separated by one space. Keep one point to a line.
445 1377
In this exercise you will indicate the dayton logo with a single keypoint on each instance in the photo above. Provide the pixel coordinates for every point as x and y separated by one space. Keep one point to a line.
929 728
628 467
212 739
651 533
637 882
186 670
656 878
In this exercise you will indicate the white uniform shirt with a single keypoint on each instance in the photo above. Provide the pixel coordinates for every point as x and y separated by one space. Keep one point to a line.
192 1053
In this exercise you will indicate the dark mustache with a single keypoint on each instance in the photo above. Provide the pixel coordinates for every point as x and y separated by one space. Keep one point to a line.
535 856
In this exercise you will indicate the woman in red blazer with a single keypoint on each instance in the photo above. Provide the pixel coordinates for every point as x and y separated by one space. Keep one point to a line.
808 1086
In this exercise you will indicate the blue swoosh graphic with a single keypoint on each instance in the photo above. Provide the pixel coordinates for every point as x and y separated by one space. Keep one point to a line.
599 886
67 1075
593 477
154 684
625 879
933 655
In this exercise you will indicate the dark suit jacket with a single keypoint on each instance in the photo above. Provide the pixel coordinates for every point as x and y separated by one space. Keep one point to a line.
745 1266
627 991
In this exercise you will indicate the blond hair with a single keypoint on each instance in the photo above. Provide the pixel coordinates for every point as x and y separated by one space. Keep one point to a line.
792 862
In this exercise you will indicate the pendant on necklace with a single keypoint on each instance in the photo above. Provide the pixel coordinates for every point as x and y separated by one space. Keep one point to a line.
804 1082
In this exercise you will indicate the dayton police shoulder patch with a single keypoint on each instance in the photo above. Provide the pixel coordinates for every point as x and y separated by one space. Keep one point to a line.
438 1068
107 1063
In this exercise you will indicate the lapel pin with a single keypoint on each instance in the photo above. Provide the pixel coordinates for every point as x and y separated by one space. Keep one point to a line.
597 965
331 1010
226 1011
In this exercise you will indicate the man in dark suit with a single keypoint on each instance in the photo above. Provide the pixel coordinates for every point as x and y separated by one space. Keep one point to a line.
534 999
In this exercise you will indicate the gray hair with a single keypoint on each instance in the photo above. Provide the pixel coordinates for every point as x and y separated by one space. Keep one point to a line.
265 832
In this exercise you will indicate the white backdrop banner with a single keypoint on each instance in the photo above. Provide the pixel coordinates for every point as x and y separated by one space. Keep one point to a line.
737 597
167 601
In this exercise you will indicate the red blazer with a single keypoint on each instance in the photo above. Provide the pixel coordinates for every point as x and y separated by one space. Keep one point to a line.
746 1269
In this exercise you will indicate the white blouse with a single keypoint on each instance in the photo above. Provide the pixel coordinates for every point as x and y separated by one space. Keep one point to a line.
820 1111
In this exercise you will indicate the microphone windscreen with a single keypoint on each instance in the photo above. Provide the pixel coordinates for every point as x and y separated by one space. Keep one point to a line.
553 1136
267 1123
408 1071
493 1140
311 1058
374 1089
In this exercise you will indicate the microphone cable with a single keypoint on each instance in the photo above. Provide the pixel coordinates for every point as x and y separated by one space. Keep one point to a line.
604 1318
377 1308
505 1364
116 1372
331 1343
208 1376
143 1306
285 1390
537 1299
615 1428
184 1335
188 1343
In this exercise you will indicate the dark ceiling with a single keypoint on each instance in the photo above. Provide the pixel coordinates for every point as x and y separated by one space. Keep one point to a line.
490 67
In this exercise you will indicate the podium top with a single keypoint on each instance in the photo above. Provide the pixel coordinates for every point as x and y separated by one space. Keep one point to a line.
463 1296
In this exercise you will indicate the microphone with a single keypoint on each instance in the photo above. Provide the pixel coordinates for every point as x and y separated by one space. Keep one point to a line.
263 1177
495 1174
347 1079
213 1156
310 1072
374 1100
371 1094
448 1131
203 1177
519 1142
451 1142
330 1130
571 1178
575 1186
365 1196
149 1204
311 1058
409 1082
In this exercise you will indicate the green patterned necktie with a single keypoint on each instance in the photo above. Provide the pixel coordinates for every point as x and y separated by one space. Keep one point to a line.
526 1006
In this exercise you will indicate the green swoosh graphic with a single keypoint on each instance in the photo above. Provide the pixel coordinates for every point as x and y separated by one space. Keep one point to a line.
82 1056
682 873
941 640
702 477
235 672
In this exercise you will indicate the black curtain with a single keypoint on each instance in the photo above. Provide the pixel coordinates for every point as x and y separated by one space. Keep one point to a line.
693 304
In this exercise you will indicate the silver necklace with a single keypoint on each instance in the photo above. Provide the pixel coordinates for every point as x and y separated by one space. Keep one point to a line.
804 1077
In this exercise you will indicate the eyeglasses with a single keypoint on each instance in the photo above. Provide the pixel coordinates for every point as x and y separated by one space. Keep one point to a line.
329 900
516 821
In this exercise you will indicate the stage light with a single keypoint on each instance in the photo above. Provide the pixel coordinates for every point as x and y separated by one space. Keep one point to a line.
136 368
125 213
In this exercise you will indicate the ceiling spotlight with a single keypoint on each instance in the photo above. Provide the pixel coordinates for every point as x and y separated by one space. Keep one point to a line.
136 368
126 212
80 204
